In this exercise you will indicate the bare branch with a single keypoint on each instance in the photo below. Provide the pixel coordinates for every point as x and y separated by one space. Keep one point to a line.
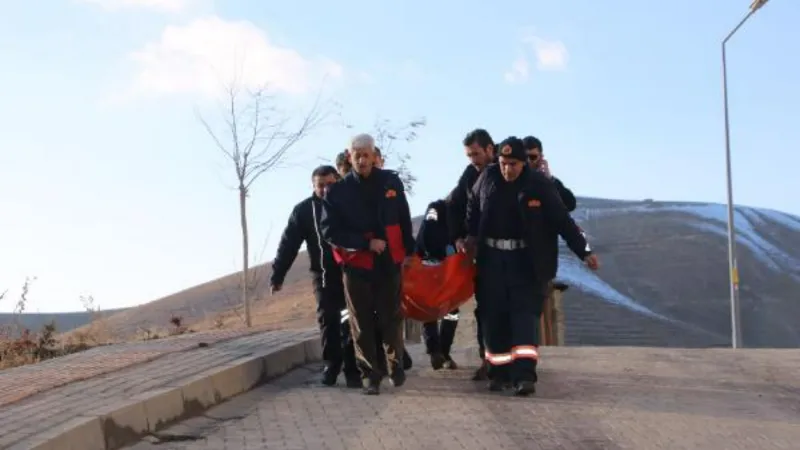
387 134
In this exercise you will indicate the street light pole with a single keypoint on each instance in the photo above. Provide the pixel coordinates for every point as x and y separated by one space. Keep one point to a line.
736 326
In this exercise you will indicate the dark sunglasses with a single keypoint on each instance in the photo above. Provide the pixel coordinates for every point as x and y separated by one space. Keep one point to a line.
534 158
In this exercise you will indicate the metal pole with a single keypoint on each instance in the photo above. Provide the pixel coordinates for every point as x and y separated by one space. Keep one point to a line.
736 326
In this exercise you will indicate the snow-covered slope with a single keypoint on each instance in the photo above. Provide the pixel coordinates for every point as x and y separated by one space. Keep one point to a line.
667 262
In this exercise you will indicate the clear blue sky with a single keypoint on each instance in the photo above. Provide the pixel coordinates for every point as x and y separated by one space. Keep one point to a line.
109 186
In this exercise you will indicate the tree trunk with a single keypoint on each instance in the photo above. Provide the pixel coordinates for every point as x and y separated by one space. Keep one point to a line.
245 255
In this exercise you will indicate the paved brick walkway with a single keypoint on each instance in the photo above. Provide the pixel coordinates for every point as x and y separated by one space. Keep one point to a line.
24 381
589 398
48 409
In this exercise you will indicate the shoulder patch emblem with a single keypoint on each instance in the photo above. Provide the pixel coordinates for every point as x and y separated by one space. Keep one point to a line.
391 193
533 203
432 214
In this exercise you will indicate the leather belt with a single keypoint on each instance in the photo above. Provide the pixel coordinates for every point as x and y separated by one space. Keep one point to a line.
506 244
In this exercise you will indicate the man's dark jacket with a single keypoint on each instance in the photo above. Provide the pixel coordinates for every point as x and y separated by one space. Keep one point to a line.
457 201
304 226
566 195
544 214
349 220
433 235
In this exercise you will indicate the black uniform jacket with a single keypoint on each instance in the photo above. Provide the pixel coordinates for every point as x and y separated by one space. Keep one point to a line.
433 236
356 210
459 196
304 226
544 213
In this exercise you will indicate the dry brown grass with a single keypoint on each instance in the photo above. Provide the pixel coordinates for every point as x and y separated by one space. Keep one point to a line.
20 345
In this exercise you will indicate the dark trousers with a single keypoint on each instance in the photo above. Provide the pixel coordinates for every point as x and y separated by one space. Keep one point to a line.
439 335
511 307
350 351
478 323
373 302
335 337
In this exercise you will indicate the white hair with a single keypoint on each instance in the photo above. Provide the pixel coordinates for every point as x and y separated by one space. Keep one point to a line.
362 141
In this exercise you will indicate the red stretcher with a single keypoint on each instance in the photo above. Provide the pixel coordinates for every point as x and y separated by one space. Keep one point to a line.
431 291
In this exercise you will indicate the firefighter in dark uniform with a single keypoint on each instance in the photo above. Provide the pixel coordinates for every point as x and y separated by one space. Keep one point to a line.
434 244
366 219
508 213
303 226
479 148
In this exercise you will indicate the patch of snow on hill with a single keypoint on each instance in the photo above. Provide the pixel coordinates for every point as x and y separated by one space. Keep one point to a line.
717 219
786 220
574 273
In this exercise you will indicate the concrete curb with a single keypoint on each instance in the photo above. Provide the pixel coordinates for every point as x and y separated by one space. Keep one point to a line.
127 420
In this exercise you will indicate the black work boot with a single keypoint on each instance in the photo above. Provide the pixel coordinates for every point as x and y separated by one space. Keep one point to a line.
482 374
524 388
497 385
449 364
353 380
398 377
371 386
407 362
329 376
437 361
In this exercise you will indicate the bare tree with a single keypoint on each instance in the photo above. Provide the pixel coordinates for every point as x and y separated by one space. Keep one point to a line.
257 139
387 134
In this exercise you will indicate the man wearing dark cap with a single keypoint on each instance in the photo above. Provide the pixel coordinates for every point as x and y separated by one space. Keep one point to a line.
479 149
304 226
510 208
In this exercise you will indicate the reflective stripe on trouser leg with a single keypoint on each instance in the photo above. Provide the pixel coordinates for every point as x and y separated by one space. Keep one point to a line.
499 359
494 317
525 352
527 302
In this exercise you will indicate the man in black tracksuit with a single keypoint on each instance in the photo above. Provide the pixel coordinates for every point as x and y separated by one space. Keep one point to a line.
508 215
479 148
434 244
304 226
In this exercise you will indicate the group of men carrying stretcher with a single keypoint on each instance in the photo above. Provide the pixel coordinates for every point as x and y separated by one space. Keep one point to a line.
495 236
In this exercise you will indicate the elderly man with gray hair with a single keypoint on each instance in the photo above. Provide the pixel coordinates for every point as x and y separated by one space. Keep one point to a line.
367 221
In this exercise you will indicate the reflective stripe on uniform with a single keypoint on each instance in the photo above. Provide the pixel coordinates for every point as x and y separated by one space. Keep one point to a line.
525 352
345 315
453 317
498 359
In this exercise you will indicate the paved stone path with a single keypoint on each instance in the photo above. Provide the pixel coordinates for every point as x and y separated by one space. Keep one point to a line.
589 398
43 411
24 381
